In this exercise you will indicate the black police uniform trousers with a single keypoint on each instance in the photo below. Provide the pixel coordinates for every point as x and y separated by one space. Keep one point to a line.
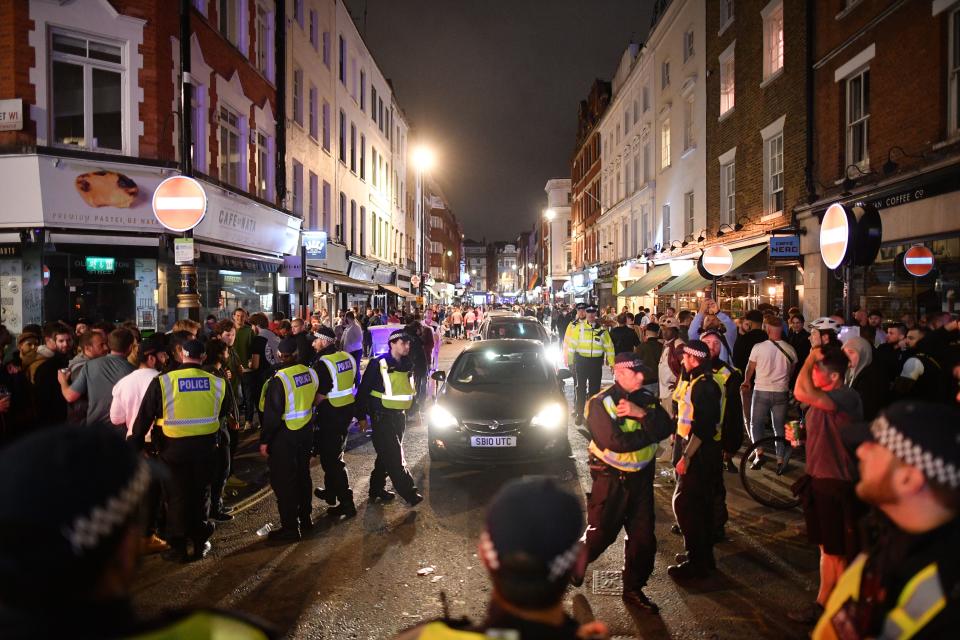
623 500
588 372
330 438
191 461
289 464
388 428
693 500
224 463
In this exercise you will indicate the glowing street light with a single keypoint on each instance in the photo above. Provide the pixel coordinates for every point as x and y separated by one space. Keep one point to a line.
550 214
423 158
449 253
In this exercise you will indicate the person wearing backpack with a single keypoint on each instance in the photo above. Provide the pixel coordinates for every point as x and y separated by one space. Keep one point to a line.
770 367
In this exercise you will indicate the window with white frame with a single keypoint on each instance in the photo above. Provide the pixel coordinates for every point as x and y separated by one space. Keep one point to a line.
773 170
623 247
228 12
198 127
628 175
363 90
688 132
726 13
374 158
953 71
343 137
314 29
728 192
688 45
689 214
645 94
636 111
727 80
297 190
264 44
264 166
618 134
647 163
645 231
665 144
87 92
326 208
298 95
363 157
326 125
353 147
314 113
298 12
772 16
626 120
314 208
618 188
231 148
325 48
665 225
342 61
637 176
858 119
664 74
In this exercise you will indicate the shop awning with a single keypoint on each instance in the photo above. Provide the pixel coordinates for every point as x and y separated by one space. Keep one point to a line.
653 278
693 281
398 291
342 281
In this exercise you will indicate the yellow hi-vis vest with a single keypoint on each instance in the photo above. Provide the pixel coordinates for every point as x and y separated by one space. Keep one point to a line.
683 396
920 601
721 375
398 389
438 630
588 341
343 370
631 460
300 386
205 624
192 399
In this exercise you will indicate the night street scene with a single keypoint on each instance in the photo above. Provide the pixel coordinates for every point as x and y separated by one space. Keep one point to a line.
455 319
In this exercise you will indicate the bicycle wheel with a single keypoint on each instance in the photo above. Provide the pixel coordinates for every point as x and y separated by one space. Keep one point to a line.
765 485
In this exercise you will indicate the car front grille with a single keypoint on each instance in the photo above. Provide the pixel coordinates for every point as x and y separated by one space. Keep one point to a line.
486 427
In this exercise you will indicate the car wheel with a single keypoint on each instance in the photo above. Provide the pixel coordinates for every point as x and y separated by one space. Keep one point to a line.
436 453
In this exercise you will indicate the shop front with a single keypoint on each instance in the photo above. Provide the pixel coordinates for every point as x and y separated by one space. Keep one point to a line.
916 210
90 246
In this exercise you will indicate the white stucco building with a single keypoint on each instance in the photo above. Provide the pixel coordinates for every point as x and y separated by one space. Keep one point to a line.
556 234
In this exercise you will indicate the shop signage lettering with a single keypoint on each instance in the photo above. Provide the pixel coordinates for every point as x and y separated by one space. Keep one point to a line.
237 221
97 264
11 114
315 243
785 247
292 267
9 250
897 199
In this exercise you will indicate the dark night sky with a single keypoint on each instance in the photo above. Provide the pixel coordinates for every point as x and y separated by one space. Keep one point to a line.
494 85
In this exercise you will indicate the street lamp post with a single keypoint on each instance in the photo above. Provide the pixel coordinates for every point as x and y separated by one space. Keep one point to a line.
549 216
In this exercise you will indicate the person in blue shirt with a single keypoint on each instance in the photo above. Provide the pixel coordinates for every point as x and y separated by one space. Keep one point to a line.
710 317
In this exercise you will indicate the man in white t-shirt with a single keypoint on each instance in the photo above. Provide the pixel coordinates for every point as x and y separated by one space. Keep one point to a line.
128 392
772 363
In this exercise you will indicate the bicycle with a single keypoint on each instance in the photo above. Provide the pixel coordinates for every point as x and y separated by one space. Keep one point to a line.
766 485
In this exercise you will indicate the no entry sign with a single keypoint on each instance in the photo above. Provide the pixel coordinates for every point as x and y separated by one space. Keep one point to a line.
179 203
834 236
918 260
716 260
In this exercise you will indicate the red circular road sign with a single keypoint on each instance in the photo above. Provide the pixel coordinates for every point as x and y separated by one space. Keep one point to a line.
918 260
716 260
179 203
834 236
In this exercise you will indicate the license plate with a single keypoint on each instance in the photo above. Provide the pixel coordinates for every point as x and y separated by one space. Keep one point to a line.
493 441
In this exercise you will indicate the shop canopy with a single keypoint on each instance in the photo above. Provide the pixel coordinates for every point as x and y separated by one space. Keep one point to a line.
341 280
693 281
651 279
398 291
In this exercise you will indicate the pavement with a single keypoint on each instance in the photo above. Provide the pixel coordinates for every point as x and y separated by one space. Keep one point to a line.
359 578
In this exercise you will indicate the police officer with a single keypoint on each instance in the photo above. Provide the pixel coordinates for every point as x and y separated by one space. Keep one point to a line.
626 423
586 345
908 584
286 440
530 549
186 404
696 457
69 545
386 392
731 431
336 373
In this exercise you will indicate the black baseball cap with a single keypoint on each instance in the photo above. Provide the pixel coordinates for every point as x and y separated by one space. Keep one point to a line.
192 348
287 346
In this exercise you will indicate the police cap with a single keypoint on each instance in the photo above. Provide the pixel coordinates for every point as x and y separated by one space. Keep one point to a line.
630 360
326 333
581 306
287 346
192 349
591 309
399 334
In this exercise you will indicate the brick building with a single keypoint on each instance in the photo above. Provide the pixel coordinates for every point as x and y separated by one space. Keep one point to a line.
756 141
446 240
885 133
585 188
99 84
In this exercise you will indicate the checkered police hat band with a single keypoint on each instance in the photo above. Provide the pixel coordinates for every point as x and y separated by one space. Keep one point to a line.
696 353
933 467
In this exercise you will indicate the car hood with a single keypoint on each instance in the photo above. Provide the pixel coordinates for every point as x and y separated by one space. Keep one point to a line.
498 401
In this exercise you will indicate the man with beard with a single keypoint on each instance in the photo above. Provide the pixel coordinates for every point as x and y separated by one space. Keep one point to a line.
49 404
906 585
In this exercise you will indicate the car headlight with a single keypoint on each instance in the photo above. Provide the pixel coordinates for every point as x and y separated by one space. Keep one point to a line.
553 354
549 417
441 418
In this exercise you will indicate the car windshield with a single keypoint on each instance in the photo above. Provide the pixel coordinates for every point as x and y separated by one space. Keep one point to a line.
491 366
499 330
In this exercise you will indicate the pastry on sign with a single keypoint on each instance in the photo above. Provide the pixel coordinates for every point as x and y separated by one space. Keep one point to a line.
106 189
